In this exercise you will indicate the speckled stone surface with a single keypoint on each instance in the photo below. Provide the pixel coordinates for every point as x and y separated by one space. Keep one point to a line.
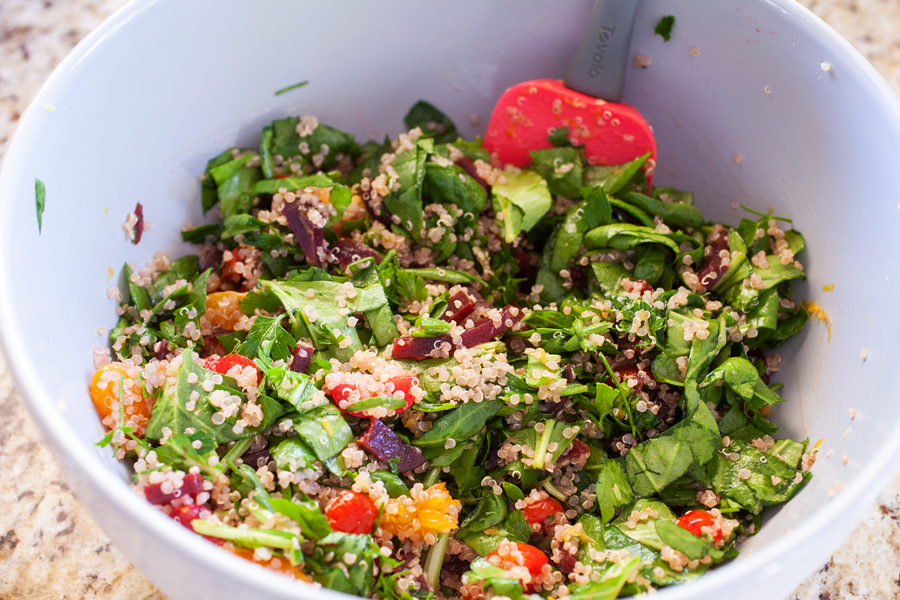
51 549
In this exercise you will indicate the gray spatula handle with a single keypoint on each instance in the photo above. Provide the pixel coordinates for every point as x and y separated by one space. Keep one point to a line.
598 67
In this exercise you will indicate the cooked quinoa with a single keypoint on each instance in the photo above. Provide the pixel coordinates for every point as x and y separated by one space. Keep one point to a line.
403 370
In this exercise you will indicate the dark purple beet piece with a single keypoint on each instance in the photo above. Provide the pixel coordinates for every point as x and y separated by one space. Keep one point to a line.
384 444
309 237
711 268
160 349
193 485
376 208
139 226
350 251
486 330
468 165
458 314
417 348
302 357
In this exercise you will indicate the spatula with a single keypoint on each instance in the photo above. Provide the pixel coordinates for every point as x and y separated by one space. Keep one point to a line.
586 102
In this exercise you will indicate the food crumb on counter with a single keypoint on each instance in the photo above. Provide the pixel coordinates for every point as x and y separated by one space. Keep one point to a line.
864 354
845 459
828 288
695 52
836 488
846 433
737 159
852 413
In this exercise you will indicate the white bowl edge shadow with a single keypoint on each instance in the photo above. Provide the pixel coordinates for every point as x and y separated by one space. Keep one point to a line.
815 536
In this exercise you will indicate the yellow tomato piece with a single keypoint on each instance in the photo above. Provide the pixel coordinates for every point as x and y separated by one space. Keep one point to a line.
223 309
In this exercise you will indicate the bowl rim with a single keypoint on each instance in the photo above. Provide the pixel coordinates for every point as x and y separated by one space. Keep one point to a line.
80 461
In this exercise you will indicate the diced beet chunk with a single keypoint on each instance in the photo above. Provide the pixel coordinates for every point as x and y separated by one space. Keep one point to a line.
139 226
310 237
483 331
193 485
347 252
459 306
384 444
711 268
418 348
486 330
301 357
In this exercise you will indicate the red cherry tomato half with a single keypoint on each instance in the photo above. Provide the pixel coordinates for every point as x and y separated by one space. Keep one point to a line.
342 391
540 510
531 558
227 272
406 384
352 513
696 520
224 364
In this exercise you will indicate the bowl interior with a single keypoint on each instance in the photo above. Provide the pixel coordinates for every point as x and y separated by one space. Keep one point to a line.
748 117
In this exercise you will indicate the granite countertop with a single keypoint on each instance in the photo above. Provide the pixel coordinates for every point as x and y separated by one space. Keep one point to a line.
50 547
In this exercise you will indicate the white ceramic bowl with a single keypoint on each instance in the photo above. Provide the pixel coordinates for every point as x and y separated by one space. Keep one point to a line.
163 85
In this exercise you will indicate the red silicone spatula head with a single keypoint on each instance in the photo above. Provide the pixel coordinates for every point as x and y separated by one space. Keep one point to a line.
611 133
